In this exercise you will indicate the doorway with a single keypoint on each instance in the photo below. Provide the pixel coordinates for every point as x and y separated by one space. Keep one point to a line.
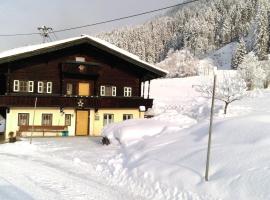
82 122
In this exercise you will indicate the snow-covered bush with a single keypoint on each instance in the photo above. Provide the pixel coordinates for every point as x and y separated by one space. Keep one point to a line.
180 64
252 71
229 88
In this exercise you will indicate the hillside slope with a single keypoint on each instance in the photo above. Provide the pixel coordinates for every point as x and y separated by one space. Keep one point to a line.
201 27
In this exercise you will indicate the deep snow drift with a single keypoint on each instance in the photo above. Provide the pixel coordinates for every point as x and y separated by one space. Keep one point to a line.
169 162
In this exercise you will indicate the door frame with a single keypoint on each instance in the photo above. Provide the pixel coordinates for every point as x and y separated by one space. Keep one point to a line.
88 122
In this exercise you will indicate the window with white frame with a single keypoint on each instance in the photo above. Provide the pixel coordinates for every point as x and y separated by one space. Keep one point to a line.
127 91
127 116
45 87
16 86
49 87
108 90
114 91
30 86
40 87
107 119
23 86
102 90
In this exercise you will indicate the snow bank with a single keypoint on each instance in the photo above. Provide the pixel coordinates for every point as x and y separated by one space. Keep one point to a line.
129 131
132 131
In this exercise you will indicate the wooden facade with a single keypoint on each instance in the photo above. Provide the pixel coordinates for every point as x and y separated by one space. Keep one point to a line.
60 67
81 78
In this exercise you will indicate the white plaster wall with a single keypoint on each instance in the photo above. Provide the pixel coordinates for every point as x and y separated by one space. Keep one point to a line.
58 118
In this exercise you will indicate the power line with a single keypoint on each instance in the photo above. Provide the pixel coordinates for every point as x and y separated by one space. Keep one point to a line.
130 16
102 22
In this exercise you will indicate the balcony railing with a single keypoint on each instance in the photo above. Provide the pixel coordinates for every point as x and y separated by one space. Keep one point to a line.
75 102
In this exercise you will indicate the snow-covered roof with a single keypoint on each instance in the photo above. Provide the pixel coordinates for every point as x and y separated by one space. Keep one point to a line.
27 51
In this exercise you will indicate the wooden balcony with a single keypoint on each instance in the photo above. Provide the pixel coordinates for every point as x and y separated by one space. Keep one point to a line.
75 102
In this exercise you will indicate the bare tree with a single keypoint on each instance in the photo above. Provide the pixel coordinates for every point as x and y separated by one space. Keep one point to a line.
230 87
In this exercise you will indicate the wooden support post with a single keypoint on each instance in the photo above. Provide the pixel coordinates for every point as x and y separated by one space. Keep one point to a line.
148 90
61 78
143 89
8 81
210 130
94 89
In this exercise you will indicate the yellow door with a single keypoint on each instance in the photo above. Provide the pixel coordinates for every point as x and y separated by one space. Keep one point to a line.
82 122
84 89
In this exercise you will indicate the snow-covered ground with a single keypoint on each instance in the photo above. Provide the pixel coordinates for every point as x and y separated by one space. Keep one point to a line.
57 168
171 163
159 158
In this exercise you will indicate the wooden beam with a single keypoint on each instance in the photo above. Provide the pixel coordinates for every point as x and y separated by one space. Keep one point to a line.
148 93
61 78
143 89
8 81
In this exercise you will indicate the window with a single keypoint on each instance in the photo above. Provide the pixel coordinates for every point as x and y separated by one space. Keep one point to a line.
80 59
107 90
69 89
45 87
127 91
107 119
102 90
23 119
127 116
40 87
23 85
46 119
114 91
16 84
49 87
68 119
30 86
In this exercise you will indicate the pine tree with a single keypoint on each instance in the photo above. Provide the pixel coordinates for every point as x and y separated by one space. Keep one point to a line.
240 52
261 38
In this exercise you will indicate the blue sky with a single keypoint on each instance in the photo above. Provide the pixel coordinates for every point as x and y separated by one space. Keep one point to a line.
23 16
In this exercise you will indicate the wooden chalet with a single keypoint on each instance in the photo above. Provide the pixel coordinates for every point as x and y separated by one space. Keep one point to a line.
79 85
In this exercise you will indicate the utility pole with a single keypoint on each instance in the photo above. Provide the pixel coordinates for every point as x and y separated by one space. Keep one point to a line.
33 122
45 33
210 129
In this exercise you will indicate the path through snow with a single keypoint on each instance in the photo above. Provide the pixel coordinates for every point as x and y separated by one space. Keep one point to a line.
62 168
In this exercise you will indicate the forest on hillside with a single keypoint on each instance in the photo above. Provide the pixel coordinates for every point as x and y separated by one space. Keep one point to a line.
200 28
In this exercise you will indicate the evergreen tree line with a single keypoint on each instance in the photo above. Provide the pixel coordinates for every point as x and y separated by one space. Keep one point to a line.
201 27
